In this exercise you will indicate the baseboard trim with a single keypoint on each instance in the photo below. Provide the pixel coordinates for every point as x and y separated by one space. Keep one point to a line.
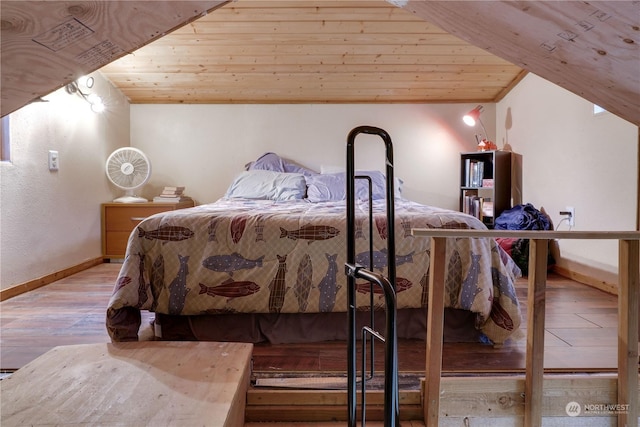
611 288
49 278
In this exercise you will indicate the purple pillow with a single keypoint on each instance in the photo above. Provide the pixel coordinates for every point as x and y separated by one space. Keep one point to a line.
268 162
273 162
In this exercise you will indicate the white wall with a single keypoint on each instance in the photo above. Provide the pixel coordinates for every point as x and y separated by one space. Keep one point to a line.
204 146
572 158
569 157
51 220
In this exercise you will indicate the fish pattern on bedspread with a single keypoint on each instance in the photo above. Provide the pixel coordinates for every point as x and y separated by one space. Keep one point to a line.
260 256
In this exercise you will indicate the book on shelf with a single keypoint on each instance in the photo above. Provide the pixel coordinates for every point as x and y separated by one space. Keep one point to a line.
474 173
177 189
474 205
172 191
175 199
487 207
172 195
467 172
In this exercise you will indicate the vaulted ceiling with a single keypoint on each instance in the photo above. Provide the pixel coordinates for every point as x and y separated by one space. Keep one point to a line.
309 52
287 51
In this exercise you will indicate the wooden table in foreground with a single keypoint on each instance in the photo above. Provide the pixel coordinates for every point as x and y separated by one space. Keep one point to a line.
628 305
131 384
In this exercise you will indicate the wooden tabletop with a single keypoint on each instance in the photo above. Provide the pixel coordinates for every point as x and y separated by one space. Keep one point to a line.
528 234
131 384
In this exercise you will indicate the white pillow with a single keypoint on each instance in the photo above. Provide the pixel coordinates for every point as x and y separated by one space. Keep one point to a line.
333 186
268 185
332 169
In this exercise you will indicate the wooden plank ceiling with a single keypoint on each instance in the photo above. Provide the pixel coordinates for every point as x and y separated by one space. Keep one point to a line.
311 52
305 51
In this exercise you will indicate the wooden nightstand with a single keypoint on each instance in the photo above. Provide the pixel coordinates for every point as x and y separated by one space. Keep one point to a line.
119 219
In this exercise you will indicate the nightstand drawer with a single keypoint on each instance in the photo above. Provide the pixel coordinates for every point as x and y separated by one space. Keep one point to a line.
119 219
126 218
114 242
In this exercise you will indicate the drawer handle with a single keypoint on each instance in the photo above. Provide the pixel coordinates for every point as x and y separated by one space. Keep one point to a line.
138 218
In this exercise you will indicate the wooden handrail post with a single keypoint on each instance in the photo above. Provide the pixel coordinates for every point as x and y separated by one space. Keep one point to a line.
435 328
628 306
537 283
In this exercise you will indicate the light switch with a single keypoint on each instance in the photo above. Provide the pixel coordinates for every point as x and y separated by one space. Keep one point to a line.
54 161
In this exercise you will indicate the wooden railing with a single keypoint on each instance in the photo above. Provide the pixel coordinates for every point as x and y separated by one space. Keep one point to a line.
628 305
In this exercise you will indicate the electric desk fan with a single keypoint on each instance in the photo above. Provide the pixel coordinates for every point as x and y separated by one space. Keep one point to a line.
128 168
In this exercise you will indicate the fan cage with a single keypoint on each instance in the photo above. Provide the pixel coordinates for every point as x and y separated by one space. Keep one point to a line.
136 164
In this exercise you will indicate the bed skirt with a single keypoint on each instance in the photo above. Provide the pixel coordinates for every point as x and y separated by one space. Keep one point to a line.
307 327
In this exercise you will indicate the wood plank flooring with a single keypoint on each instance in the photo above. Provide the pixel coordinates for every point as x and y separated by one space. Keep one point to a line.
581 331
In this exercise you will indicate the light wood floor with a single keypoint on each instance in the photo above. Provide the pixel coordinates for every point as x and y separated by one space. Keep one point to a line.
581 326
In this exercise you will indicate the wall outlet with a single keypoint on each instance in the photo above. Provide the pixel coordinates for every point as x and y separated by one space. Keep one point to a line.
572 215
569 213
54 160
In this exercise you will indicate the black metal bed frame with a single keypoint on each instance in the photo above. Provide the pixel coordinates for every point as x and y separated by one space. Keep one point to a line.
354 271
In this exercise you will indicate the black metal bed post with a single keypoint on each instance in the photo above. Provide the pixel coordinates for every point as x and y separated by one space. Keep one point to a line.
370 330
391 404
372 320
351 282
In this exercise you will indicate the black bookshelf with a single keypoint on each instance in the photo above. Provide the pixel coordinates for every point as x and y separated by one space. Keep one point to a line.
485 184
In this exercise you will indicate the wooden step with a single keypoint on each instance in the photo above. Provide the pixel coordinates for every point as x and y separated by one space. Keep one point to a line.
412 423
477 400
290 405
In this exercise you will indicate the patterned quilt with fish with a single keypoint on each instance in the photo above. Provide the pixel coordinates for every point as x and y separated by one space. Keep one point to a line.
261 256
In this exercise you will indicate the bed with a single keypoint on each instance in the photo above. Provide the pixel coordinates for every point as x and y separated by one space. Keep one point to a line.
266 263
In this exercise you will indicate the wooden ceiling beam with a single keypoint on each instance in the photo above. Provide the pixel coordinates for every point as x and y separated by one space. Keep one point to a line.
589 48
46 45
